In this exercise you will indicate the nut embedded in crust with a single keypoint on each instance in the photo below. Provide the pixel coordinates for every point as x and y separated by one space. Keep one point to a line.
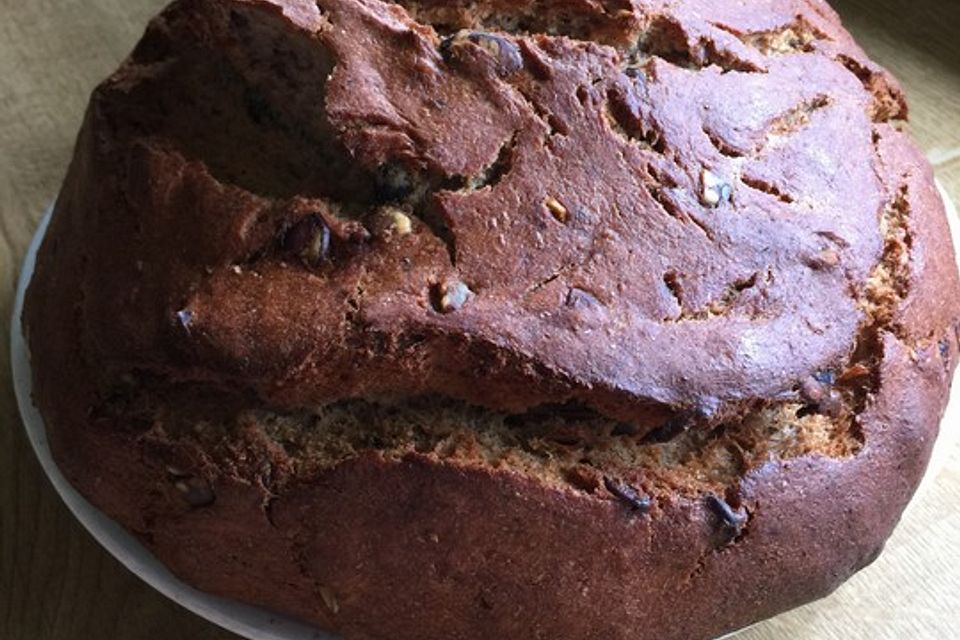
393 221
714 191
557 210
450 296
309 240
195 491
628 495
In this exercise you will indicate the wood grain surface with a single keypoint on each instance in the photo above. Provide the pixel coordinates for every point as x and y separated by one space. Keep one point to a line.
57 584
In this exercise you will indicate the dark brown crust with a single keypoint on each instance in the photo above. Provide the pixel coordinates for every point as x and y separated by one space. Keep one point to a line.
365 327
147 227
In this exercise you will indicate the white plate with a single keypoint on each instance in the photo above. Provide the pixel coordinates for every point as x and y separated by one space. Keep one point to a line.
245 620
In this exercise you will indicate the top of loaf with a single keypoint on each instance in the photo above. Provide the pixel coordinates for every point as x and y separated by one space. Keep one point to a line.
647 208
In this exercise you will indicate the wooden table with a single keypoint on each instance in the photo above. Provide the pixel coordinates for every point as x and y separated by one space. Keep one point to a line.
57 584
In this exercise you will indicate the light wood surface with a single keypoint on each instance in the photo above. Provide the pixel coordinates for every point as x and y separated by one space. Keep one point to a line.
57 584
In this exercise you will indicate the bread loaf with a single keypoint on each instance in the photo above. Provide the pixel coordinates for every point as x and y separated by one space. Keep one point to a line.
561 319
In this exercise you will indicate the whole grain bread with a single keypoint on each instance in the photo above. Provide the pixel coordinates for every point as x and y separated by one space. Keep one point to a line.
561 319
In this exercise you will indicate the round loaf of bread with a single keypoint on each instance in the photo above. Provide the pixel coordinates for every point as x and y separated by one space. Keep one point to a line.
560 319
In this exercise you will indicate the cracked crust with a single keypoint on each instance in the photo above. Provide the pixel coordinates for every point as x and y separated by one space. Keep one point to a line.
499 319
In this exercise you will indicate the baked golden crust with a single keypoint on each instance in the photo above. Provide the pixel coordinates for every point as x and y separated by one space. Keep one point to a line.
662 226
